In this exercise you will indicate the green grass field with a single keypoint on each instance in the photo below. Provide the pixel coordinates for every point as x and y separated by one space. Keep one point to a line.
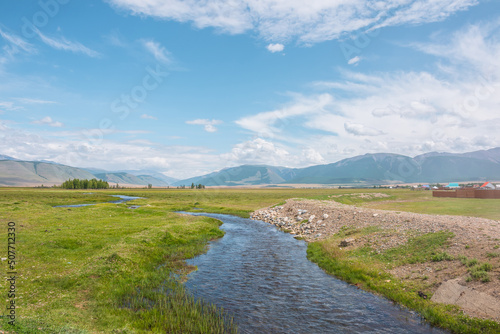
110 269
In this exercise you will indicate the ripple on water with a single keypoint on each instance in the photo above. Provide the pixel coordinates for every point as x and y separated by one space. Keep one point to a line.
263 278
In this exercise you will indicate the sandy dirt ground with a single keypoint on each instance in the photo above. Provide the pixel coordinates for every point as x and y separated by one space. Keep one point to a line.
475 238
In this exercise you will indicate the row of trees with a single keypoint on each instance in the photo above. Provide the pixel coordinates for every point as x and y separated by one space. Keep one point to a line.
193 186
85 184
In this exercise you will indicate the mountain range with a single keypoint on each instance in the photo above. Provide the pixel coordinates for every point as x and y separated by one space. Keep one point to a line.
363 170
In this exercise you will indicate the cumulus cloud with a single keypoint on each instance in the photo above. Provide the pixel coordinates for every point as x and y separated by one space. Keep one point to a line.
257 151
75 149
306 21
275 47
448 109
361 130
208 124
312 157
48 121
272 123
146 116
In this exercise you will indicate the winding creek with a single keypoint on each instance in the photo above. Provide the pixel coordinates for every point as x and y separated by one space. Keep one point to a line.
262 277
122 199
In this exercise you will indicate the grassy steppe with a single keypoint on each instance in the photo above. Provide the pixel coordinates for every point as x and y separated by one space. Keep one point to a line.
106 268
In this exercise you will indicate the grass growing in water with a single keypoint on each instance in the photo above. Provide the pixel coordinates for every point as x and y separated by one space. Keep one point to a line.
102 268
106 268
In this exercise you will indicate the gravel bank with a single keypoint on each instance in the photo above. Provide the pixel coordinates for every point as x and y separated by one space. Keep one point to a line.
477 238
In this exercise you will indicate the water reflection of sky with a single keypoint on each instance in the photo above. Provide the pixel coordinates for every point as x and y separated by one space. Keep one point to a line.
262 277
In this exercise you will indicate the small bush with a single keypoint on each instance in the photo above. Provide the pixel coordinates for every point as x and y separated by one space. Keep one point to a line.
471 262
441 257
480 275
480 272
485 267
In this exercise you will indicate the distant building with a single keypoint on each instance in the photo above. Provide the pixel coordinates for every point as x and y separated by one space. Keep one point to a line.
488 185
453 185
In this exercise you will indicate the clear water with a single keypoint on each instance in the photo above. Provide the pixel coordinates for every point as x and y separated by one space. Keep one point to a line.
122 199
262 277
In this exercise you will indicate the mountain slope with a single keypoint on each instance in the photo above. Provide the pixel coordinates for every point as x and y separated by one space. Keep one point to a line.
126 178
368 169
489 155
142 172
6 157
24 173
243 176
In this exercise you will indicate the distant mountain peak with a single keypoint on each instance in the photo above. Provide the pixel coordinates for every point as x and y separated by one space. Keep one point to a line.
362 170
6 157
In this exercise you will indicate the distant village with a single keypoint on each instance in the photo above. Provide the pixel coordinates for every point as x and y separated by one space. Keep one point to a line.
487 190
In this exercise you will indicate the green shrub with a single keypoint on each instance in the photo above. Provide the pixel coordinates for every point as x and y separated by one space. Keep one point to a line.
441 257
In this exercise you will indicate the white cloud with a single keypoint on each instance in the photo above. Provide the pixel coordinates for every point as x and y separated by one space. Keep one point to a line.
476 45
306 21
354 60
272 123
208 124
159 52
33 101
257 151
450 109
8 105
361 130
264 152
275 47
312 157
63 44
48 121
423 11
146 116
16 43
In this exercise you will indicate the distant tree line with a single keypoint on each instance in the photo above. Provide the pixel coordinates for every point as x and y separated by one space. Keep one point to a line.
193 186
85 184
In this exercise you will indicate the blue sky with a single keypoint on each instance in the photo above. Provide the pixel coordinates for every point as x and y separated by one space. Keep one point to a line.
190 87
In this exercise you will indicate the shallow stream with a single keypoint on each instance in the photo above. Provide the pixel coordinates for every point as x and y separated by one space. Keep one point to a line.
262 277
123 199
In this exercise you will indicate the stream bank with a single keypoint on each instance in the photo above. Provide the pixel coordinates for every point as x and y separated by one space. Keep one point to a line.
262 277
416 253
